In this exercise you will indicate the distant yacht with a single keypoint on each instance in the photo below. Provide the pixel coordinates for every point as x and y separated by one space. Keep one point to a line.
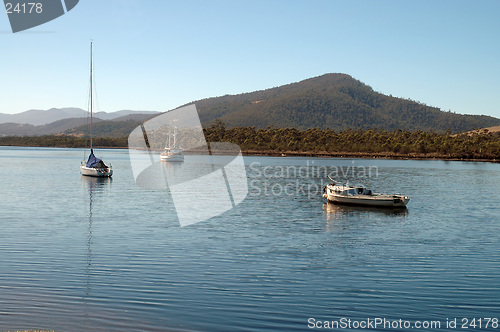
94 166
172 152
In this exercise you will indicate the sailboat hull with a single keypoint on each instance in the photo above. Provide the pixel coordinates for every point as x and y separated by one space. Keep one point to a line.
172 158
96 172
172 154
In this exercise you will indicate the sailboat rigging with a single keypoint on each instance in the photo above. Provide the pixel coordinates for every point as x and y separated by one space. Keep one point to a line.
172 151
94 166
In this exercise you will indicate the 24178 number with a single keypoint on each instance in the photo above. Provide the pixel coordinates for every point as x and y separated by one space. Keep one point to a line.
479 323
24 8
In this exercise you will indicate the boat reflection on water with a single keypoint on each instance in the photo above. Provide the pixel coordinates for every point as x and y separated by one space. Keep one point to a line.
340 212
94 185
161 175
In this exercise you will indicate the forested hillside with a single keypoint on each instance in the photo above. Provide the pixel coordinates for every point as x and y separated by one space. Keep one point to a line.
334 101
106 128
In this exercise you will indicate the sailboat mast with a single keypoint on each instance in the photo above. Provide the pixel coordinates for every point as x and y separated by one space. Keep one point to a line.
91 102
175 137
169 134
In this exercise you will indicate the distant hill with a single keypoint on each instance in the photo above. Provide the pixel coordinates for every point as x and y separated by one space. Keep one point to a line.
106 128
120 115
56 127
118 127
43 117
136 117
118 123
335 101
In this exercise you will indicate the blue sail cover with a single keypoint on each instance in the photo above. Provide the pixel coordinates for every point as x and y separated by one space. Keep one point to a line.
94 161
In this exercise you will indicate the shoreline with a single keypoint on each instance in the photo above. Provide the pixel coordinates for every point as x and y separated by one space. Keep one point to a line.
321 154
366 155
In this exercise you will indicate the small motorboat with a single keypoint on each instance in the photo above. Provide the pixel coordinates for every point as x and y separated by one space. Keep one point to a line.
343 193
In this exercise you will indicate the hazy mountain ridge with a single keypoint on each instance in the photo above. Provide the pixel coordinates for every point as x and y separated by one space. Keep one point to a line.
44 117
56 127
77 126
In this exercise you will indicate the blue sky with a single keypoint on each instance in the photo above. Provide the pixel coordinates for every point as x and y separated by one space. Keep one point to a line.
159 54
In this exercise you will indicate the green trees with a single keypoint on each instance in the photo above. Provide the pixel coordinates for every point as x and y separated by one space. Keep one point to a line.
398 143
62 141
315 141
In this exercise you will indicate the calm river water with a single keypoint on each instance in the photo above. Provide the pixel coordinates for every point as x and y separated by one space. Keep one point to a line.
78 254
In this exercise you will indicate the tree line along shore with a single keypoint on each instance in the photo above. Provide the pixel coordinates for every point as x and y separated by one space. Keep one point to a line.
479 145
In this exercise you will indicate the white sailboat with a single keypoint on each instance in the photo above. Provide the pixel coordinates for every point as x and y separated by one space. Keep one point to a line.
172 152
94 166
